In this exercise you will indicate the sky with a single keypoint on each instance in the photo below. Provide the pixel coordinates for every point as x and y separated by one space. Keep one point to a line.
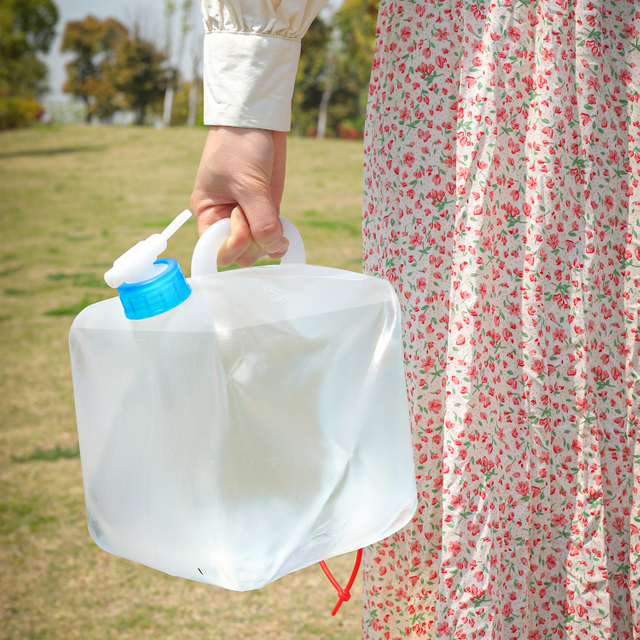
148 12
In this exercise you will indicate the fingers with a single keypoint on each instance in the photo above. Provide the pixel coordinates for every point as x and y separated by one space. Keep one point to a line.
240 247
261 202
264 221
280 254
210 215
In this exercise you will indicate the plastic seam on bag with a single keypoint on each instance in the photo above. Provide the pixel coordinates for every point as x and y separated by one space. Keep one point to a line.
344 595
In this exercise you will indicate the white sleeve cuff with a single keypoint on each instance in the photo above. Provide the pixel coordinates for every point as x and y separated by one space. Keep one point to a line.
249 79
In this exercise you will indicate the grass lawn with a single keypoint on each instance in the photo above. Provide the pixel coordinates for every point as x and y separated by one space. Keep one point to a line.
72 199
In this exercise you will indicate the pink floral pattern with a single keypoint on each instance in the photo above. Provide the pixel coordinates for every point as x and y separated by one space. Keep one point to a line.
502 201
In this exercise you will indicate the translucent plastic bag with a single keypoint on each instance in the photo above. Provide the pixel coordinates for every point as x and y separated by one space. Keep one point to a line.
257 427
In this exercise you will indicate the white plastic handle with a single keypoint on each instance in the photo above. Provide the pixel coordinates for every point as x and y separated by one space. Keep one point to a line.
204 261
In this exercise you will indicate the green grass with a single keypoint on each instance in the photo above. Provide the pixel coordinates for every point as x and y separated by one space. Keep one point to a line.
79 279
17 292
72 199
56 453
23 513
74 308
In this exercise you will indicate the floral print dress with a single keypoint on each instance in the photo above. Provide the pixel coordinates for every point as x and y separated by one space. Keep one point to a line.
502 200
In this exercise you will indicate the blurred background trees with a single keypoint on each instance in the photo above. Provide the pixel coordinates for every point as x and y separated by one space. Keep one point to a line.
330 95
311 78
356 23
92 74
117 69
27 28
113 69
173 54
140 75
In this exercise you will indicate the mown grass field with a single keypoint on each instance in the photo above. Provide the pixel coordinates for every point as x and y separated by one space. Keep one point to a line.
71 200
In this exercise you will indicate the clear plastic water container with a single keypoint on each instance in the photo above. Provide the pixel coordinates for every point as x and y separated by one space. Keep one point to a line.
238 426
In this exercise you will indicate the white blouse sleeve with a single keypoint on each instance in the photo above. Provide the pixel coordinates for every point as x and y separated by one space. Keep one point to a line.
251 52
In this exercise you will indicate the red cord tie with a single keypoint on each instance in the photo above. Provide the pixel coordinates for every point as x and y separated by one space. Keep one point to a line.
344 595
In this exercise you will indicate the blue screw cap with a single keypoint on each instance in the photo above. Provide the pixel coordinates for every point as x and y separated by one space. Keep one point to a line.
164 290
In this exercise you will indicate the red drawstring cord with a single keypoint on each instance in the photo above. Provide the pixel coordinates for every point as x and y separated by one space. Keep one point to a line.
343 594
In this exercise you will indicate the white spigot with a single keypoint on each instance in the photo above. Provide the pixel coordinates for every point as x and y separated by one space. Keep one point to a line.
131 264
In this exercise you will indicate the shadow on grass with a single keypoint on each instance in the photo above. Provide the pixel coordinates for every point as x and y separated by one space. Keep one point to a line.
50 152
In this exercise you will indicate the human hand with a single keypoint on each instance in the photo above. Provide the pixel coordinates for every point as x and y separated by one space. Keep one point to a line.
241 176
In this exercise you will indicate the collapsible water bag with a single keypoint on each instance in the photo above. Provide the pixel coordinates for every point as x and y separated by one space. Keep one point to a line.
238 426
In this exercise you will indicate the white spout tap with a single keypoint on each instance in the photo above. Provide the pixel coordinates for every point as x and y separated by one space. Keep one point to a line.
134 262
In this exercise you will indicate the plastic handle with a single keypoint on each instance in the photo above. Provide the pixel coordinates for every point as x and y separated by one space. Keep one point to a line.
205 256
344 595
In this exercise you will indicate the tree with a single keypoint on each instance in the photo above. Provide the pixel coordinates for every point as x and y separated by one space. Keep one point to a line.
27 28
174 65
92 73
187 104
140 75
356 21
112 69
335 67
196 90
311 78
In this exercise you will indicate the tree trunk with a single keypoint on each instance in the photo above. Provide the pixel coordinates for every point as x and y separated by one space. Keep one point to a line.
326 97
194 89
168 102
168 107
193 102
